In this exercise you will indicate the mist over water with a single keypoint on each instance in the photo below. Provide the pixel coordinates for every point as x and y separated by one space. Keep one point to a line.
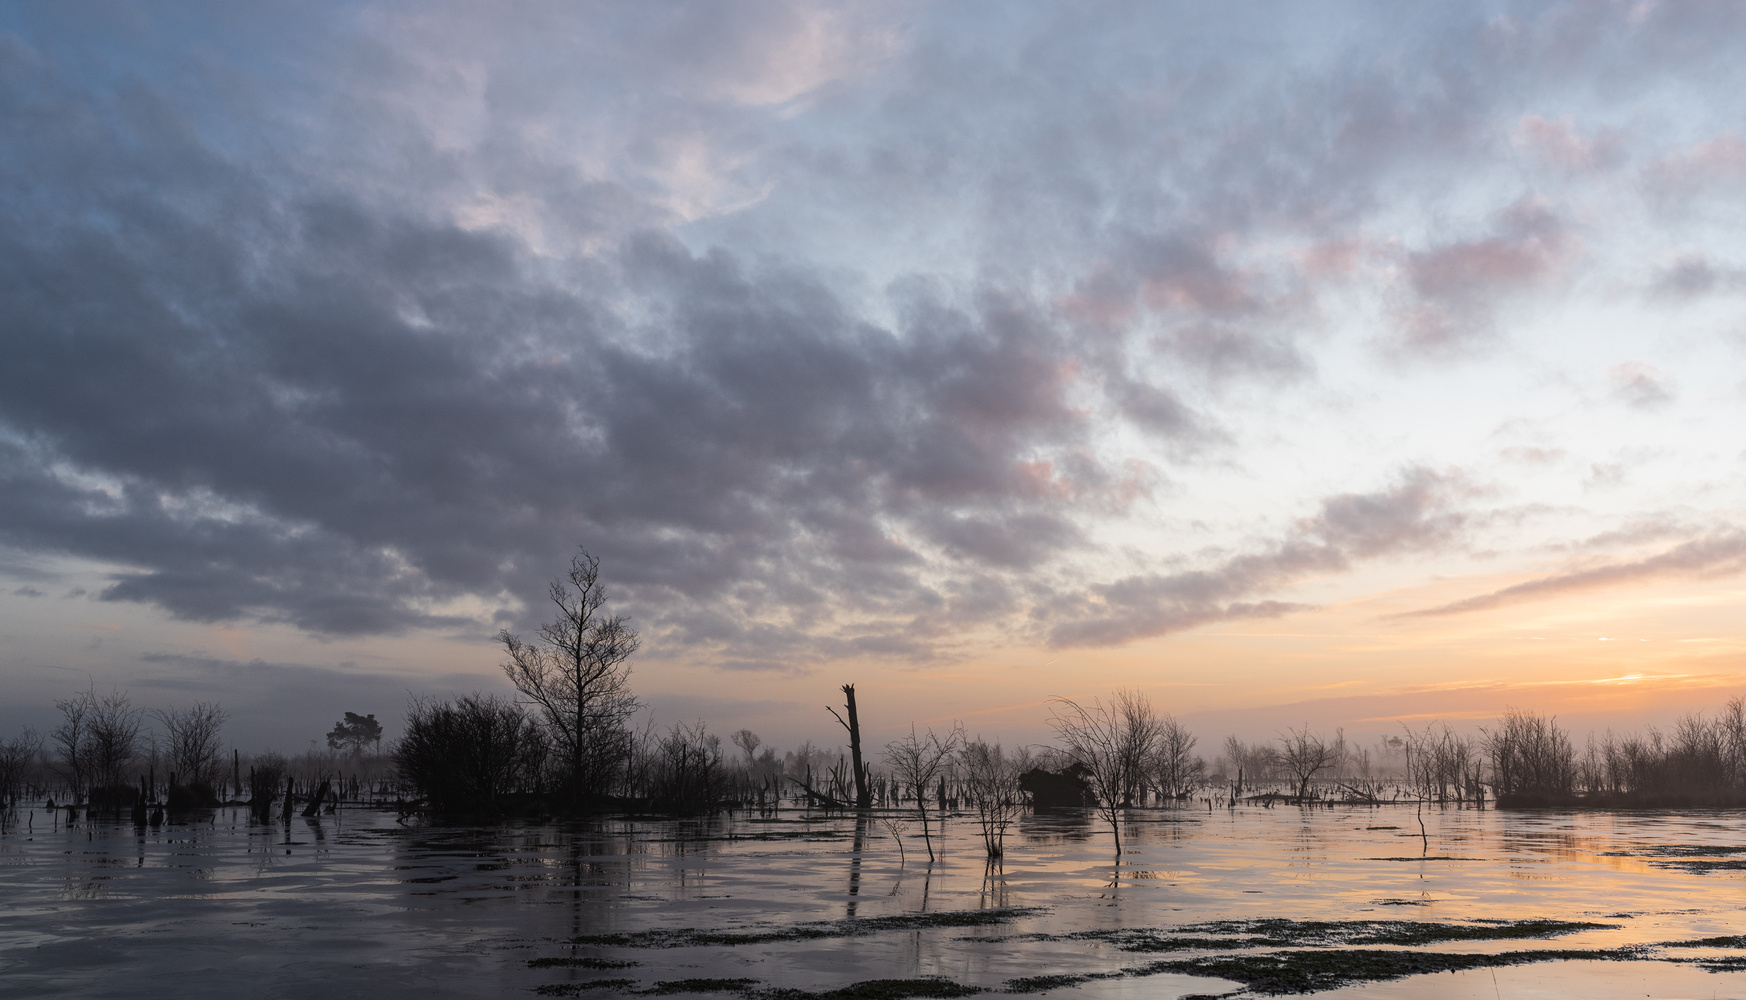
355 903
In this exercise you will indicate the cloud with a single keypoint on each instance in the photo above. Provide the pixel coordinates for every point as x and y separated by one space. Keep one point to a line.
1640 385
1457 285
1559 143
1713 163
1412 516
1715 555
1692 276
835 330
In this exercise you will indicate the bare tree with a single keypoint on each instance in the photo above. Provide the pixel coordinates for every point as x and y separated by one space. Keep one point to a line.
1175 770
1531 755
266 775
71 739
15 756
991 781
749 742
918 762
575 671
194 749
863 793
468 756
1305 754
1441 762
98 738
1113 743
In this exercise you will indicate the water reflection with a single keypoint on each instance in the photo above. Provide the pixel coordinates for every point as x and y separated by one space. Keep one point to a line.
474 904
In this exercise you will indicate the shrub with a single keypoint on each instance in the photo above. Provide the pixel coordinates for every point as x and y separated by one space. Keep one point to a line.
465 757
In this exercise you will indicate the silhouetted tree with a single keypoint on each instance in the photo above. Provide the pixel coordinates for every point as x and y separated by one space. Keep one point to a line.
1113 743
863 795
464 757
990 778
355 734
686 773
15 757
71 739
266 775
1305 754
749 742
918 762
98 738
575 672
194 750
1175 770
1530 756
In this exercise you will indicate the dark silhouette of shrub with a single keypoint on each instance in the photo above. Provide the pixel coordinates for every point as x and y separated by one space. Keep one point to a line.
468 756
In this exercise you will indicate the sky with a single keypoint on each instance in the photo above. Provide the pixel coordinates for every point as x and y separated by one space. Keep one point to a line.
1341 364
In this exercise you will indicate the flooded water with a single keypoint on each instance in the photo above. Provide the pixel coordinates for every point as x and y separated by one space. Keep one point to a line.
360 904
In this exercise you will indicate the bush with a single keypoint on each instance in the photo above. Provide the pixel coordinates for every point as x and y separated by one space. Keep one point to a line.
465 757
1531 758
685 772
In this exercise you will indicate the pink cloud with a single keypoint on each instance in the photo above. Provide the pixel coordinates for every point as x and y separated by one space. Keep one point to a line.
1559 143
1717 161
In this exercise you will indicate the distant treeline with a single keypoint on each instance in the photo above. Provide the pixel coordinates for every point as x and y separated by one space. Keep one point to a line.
566 744
110 757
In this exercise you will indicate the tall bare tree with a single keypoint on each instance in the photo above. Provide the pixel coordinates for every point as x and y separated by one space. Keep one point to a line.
575 672
918 762
991 781
863 793
1175 770
15 757
1530 754
71 739
1113 743
194 748
98 738
1305 754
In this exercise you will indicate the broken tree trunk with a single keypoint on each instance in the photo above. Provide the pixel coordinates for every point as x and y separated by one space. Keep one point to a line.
314 807
863 795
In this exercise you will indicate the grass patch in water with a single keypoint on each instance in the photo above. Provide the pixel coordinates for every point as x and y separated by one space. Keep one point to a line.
1697 858
577 989
1678 851
672 986
686 937
577 963
1276 932
1424 857
878 989
1037 984
1727 963
1290 972
1729 941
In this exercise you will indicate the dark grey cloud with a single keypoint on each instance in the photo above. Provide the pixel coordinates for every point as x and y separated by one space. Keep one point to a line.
364 332
344 416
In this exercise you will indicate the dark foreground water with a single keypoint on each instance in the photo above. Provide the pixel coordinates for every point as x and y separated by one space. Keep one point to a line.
357 904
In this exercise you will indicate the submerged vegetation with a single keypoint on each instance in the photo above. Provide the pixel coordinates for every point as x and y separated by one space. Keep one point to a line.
1266 957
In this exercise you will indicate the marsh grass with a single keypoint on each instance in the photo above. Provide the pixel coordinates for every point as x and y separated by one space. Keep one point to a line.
1229 935
1312 971
690 937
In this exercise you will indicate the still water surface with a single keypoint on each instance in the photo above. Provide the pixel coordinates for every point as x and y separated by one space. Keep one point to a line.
359 904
